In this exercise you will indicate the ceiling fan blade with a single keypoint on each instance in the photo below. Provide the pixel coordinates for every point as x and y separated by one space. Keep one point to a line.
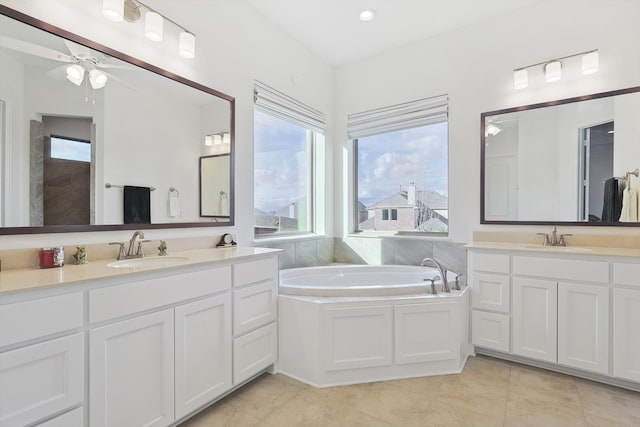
116 66
34 49
57 73
78 50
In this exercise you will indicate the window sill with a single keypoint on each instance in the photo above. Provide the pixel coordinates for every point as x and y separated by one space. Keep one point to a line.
400 236
288 238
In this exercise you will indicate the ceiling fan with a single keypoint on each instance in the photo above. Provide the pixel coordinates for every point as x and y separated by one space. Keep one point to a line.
80 62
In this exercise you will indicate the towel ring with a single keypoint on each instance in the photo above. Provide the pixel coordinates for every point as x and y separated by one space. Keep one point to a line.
173 190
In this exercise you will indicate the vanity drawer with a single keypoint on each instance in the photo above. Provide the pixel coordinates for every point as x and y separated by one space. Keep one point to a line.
254 306
490 292
494 263
255 271
562 269
626 274
37 318
121 300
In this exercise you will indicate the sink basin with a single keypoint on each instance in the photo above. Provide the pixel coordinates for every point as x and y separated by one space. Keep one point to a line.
149 262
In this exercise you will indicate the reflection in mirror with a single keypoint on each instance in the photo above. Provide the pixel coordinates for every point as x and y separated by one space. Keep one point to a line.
215 186
570 161
78 116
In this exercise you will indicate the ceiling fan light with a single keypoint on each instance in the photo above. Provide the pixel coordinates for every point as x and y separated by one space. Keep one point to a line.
153 23
367 15
553 71
187 45
113 9
97 79
590 63
520 79
75 74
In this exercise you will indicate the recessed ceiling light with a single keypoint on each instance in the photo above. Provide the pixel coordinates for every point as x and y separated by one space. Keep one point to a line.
367 15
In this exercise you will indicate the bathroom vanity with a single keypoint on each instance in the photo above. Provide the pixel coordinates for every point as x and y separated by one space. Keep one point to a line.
571 309
143 345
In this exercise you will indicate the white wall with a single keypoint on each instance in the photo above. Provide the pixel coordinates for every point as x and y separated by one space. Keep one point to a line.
235 45
474 65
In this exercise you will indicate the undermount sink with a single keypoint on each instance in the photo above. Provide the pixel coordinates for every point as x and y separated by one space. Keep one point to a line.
149 262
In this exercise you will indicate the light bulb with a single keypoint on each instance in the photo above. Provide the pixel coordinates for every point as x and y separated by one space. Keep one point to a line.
367 15
590 63
153 23
553 71
520 79
113 9
226 138
187 45
97 79
208 140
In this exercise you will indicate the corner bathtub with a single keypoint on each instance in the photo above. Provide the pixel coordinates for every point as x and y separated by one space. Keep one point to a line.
346 324
360 280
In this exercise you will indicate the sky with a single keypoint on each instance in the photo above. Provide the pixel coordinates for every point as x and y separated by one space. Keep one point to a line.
281 171
387 163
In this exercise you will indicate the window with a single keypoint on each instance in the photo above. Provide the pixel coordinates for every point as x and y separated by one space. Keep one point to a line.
401 167
284 146
70 149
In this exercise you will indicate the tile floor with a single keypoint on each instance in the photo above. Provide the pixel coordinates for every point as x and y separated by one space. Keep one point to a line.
490 392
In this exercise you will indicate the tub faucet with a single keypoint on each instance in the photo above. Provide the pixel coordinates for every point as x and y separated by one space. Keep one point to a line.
441 269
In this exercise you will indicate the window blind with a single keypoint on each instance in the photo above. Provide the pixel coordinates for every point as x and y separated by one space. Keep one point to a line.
285 107
398 117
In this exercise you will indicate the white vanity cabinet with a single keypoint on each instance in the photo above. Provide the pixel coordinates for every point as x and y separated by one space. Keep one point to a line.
41 358
147 348
561 311
255 292
626 321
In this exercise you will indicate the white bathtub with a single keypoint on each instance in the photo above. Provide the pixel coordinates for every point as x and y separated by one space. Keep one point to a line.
347 324
360 280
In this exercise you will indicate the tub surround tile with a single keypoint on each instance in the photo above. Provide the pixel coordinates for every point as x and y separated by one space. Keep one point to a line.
326 250
348 250
412 252
287 258
306 253
451 255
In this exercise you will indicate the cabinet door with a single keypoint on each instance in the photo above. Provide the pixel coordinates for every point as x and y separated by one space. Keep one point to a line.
40 380
583 326
357 337
490 330
73 418
203 352
535 313
131 372
626 334
490 292
426 332
254 352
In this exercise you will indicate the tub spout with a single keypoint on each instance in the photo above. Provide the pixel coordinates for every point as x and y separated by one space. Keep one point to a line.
441 269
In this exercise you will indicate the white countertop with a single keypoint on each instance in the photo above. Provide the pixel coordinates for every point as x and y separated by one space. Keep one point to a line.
34 278
572 250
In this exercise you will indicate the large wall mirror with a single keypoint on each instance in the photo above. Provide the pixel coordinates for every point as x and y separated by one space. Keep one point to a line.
571 161
89 136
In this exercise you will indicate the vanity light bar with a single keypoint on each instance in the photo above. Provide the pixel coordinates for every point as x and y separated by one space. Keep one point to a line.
116 10
553 68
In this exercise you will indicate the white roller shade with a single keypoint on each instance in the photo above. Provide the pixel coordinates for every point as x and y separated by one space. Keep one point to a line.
397 117
285 107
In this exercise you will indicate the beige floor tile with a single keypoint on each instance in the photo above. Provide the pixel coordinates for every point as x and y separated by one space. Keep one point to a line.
485 366
222 414
544 386
262 396
393 405
427 385
528 411
439 415
614 404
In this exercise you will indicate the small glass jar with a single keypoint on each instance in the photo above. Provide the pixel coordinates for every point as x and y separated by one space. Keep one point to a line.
51 257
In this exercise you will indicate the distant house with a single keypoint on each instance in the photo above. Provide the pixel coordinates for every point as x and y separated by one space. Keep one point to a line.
420 210
291 217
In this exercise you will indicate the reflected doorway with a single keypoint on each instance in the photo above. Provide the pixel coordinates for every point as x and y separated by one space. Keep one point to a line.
596 166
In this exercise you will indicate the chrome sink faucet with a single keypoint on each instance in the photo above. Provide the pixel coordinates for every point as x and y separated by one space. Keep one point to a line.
554 240
441 270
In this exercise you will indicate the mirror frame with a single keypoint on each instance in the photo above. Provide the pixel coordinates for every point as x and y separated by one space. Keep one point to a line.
483 117
42 25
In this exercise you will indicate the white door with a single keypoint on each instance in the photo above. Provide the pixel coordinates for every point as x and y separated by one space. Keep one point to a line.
535 318
501 186
203 352
426 332
583 326
626 334
39 380
131 372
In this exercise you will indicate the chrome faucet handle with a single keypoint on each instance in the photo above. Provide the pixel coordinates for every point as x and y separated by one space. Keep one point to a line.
433 289
562 242
545 242
121 254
